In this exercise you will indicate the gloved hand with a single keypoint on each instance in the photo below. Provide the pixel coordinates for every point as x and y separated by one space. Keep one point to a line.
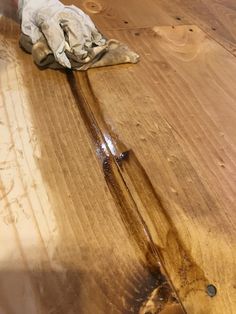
60 25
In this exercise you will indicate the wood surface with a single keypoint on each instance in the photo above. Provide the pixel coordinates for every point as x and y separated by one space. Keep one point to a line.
215 17
117 186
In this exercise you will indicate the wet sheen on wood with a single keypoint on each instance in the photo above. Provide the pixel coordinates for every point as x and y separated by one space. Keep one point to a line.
180 126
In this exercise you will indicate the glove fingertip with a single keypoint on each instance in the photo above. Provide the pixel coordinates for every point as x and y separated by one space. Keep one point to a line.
63 60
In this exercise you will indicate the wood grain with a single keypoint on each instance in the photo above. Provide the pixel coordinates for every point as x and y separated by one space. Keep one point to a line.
180 126
65 245
117 187
215 17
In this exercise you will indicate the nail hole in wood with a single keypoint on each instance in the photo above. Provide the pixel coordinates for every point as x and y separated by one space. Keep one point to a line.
211 291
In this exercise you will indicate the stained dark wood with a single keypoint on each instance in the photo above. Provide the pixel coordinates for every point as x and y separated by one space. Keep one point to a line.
180 128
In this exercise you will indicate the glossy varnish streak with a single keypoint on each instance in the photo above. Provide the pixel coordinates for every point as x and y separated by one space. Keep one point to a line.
127 179
108 150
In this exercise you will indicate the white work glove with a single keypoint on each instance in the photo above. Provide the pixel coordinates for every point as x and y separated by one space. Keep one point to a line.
60 25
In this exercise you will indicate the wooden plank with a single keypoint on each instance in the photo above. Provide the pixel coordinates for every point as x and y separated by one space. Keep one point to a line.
176 111
122 14
216 17
66 244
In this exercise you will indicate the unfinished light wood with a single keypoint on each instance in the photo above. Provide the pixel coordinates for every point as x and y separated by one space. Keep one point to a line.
176 111
216 17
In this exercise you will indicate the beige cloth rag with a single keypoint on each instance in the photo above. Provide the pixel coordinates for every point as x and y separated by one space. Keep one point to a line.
112 53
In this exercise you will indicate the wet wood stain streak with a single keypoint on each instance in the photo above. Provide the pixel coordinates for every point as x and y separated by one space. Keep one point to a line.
128 209
191 277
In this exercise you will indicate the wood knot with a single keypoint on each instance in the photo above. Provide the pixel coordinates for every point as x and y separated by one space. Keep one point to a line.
92 6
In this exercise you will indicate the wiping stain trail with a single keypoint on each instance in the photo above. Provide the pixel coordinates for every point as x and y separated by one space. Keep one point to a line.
112 155
111 171
134 175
